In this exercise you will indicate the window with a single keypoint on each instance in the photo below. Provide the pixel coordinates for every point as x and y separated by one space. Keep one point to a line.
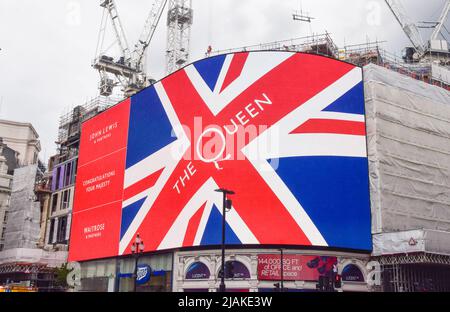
50 233
54 202
58 175
197 270
65 199
67 174
3 234
352 273
5 219
74 171
236 269
62 227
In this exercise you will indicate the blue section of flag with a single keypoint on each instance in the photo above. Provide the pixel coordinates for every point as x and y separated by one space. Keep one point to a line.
210 68
334 192
128 214
213 230
351 102
150 128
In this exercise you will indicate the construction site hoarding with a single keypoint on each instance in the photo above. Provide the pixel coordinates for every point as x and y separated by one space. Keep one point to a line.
284 131
408 132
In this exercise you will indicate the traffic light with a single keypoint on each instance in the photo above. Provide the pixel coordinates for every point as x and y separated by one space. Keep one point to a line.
324 284
277 287
320 286
337 281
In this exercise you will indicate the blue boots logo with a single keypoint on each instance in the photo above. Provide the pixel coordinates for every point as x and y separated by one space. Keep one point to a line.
143 274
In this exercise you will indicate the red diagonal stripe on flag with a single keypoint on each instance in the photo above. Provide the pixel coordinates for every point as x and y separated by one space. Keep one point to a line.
235 69
142 185
260 209
193 226
332 126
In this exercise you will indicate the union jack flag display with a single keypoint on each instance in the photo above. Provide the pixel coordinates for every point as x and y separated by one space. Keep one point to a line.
285 131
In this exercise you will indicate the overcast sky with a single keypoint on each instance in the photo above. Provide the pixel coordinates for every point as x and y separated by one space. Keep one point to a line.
48 45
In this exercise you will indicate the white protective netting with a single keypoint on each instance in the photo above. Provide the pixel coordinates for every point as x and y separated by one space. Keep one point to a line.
23 226
408 128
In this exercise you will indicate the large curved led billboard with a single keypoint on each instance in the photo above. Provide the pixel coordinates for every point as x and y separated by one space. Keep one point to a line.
285 131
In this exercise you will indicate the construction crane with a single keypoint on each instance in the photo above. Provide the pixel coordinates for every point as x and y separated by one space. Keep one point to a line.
179 21
149 30
420 49
411 30
128 69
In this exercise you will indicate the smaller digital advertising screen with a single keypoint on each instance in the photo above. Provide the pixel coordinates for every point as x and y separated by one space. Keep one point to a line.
284 131
295 267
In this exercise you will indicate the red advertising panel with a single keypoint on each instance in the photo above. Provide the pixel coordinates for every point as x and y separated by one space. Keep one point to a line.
94 232
295 267
99 185
104 134
100 182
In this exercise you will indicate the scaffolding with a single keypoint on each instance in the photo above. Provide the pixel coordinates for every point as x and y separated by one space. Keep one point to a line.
318 44
70 122
420 272
69 128
430 70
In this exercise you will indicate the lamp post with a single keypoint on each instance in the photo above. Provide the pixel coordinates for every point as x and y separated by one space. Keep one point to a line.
226 204
137 248
282 270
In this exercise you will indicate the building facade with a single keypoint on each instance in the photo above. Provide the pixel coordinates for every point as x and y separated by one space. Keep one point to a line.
19 146
8 162
22 138
24 196
258 270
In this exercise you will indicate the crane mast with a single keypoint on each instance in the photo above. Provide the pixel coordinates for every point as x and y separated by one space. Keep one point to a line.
149 29
179 21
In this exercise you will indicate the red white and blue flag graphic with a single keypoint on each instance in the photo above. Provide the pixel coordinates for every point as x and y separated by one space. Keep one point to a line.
284 131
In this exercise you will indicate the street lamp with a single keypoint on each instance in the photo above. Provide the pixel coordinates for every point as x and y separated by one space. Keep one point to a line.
226 205
137 248
282 270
